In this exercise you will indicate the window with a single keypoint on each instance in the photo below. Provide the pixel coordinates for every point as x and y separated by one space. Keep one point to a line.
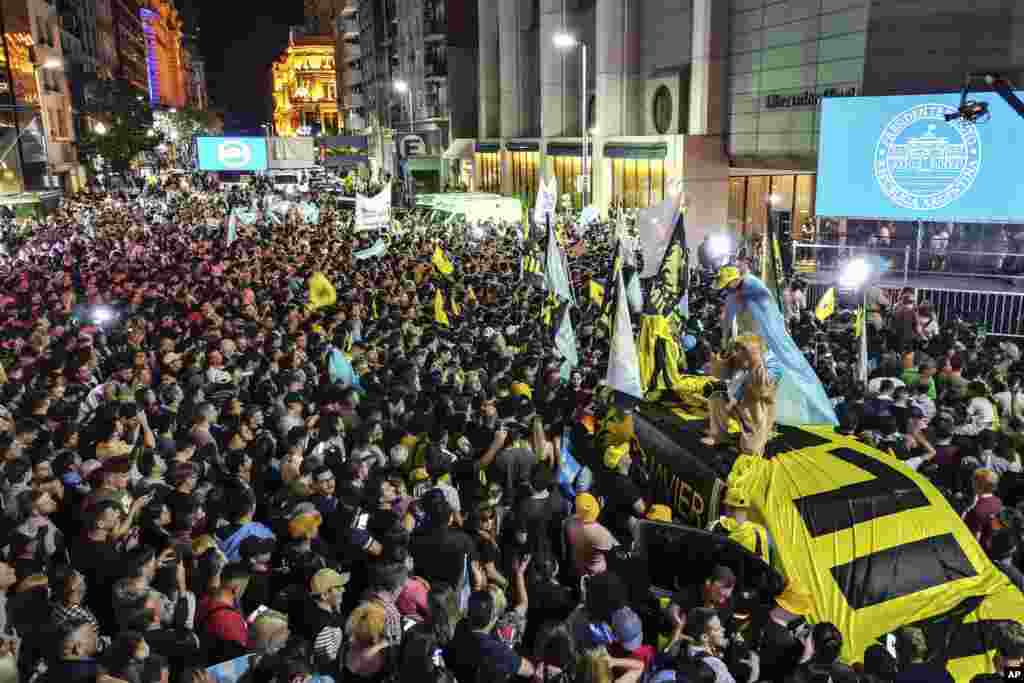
637 183
489 164
566 170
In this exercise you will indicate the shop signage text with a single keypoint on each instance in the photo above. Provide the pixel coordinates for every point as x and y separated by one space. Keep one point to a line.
806 99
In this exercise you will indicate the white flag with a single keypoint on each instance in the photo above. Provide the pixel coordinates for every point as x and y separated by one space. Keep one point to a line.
373 213
623 362
547 199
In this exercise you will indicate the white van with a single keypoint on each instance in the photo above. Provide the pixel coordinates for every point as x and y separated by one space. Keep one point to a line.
290 181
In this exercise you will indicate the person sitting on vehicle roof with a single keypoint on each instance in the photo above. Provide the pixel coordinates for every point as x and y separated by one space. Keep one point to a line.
750 375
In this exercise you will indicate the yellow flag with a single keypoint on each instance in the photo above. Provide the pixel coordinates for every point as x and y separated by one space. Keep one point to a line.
440 316
596 293
441 262
471 296
826 305
456 308
858 323
321 292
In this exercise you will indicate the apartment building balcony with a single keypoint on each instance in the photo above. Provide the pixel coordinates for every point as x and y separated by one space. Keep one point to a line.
352 78
436 70
349 26
434 31
354 101
353 51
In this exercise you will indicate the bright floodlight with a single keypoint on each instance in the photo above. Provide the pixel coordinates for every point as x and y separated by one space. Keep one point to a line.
855 273
477 232
719 245
102 315
99 129
52 63
564 41
774 199
401 86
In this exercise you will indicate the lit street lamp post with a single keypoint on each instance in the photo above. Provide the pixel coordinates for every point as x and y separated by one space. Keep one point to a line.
566 41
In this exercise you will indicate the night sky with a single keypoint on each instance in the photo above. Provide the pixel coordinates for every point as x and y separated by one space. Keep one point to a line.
239 46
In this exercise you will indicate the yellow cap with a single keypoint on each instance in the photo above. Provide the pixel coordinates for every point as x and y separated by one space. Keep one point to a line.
521 389
660 513
795 599
613 455
587 507
726 276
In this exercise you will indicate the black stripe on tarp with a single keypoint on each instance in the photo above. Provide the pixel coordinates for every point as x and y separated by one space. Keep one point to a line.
905 569
889 493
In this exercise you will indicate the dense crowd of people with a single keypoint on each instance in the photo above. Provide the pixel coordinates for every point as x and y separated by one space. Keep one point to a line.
204 477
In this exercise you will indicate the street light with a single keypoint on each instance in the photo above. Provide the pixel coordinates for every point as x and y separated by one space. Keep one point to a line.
564 40
402 87
855 274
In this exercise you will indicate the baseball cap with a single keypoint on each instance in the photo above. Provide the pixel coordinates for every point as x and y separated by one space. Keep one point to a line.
254 546
628 630
726 276
587 507
660 513
326 579
794 599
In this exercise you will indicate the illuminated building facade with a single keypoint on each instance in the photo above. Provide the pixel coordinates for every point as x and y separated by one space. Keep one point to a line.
305 86
162 30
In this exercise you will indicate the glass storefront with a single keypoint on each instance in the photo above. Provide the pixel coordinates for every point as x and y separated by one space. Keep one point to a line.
790 196
522 165
489 174
566 170
637 183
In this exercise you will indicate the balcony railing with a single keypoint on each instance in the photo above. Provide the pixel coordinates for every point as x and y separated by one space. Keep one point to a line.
434 30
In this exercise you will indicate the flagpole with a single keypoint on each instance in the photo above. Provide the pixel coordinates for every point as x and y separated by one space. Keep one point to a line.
863 359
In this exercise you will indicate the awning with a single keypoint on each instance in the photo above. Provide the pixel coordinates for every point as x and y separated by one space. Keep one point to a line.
627 151
423 164
461 148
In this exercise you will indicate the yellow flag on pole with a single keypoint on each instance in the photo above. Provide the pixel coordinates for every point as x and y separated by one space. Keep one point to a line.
321 292
440 316
595 292
826 305
441 262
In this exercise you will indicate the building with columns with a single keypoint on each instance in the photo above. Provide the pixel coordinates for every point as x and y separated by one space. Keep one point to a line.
655 100
304 86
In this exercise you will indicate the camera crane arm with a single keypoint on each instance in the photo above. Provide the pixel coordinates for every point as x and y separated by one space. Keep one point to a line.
972 110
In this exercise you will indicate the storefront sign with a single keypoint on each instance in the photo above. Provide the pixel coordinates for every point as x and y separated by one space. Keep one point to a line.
806 99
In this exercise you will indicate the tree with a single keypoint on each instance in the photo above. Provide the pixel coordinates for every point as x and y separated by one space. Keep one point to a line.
127 128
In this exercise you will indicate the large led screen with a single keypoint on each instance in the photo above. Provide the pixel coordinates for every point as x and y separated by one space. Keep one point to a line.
898 158
232 154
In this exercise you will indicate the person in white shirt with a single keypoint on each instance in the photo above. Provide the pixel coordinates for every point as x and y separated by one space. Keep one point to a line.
981 411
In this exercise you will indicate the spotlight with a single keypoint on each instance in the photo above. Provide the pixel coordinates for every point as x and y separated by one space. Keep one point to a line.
855 274
102 315
719 245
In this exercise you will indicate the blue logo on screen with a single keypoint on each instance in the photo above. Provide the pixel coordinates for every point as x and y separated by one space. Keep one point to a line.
923 162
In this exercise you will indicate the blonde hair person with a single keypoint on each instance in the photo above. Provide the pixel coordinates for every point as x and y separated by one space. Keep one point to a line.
367 651
597 666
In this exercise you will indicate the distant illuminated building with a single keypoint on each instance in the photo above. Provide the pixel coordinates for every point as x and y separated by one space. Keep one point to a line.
165 69
304 86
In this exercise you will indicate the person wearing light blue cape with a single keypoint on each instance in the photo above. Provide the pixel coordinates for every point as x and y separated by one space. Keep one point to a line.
800 396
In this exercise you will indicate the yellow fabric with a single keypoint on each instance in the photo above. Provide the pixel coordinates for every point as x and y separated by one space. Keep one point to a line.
773 486
746 535
440 316
726 276
653 328
618 428
595 292
321 292
613 455
826 305
471 296
456 308
441 262
858 323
